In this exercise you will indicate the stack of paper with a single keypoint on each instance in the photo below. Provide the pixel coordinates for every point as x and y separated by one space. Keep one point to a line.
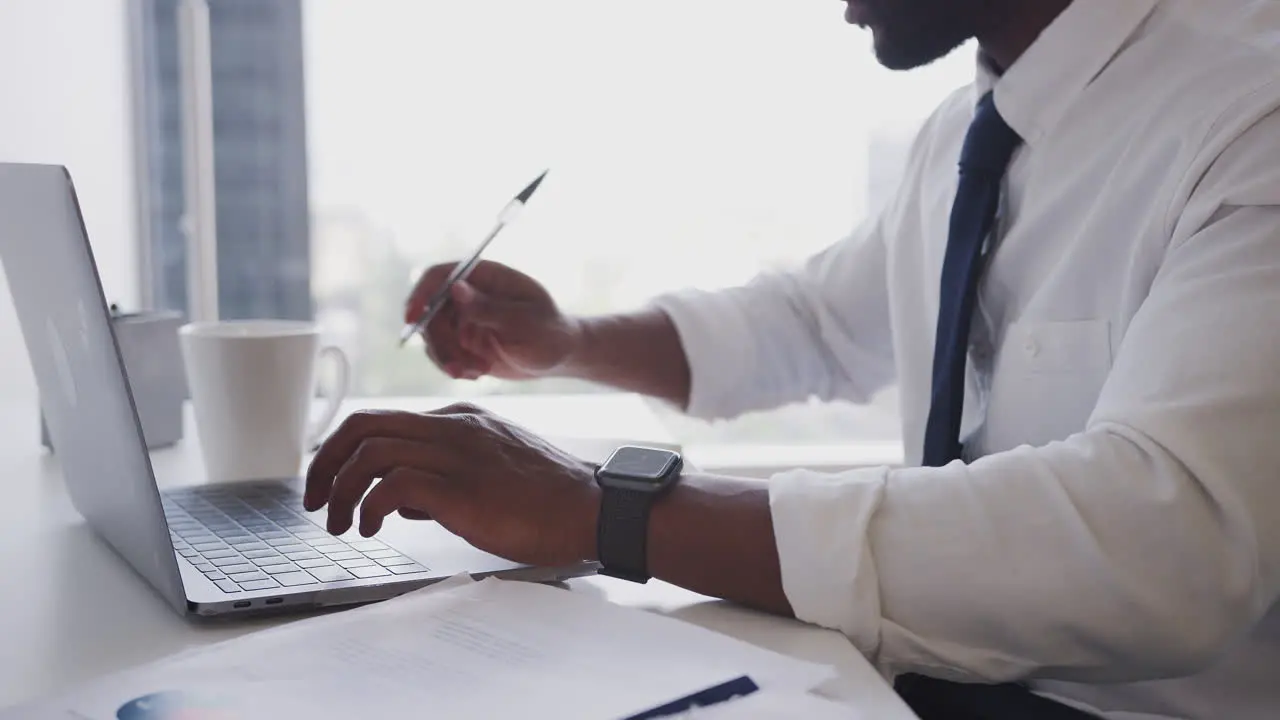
461 649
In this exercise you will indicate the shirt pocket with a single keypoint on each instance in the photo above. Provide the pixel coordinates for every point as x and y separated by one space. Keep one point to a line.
1046 381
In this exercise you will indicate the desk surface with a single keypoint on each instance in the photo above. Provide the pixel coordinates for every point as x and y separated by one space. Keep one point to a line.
73 610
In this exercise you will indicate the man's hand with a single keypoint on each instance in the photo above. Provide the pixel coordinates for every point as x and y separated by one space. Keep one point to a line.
496 485
509 493
498 322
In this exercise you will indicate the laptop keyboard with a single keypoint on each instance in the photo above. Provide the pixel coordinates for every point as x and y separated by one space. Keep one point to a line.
255 538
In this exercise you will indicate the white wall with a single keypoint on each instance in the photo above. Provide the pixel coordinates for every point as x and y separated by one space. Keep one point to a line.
65 98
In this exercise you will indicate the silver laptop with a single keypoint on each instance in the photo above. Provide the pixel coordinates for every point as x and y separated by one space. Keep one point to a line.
210 550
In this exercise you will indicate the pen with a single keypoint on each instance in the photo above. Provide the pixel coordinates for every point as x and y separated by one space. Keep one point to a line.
463 269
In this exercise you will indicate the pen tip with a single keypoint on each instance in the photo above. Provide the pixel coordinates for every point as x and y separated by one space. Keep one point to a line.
406 333
528 192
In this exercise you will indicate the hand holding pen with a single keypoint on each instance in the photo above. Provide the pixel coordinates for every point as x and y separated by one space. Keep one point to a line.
497 321
460 271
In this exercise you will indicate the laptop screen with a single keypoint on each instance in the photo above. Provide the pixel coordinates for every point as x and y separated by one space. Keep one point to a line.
85 396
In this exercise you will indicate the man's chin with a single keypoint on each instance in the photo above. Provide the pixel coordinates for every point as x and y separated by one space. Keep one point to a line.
905 56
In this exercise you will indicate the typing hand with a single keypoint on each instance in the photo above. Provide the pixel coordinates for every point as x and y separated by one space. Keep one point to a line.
496 485
498 322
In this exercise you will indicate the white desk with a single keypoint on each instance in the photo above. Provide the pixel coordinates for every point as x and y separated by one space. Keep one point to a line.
73 610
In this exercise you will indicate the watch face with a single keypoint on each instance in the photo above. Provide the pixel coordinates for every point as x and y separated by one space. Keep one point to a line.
641 463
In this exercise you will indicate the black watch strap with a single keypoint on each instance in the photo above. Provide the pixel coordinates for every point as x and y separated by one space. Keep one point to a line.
622 535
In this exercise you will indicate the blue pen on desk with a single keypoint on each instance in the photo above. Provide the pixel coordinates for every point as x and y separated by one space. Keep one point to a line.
463 269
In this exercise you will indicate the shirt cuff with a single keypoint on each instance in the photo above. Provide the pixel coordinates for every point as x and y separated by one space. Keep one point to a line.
821 524
712 332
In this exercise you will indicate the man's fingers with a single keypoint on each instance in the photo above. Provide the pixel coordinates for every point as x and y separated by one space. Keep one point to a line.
441 336
343 442
374 458
410 514
483 310
406 490
430 282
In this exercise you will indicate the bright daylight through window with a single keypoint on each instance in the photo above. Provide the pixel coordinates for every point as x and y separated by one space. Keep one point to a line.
689 144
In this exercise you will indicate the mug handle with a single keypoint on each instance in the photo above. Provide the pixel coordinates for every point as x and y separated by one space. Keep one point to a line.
315 434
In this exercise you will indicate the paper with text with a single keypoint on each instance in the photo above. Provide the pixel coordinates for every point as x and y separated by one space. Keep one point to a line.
459 650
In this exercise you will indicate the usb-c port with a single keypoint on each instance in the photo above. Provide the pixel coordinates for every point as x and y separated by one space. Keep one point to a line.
242 604
274 601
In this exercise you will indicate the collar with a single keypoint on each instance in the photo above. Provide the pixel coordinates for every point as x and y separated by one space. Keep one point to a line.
1037 91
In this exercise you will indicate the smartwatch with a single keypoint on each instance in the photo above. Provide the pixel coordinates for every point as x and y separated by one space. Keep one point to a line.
630 481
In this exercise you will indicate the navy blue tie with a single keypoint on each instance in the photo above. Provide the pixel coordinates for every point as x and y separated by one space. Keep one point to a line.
988 147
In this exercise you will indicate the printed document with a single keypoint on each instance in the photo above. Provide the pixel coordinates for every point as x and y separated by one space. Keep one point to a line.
460 649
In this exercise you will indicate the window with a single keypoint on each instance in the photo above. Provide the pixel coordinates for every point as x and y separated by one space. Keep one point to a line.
688 143
64 77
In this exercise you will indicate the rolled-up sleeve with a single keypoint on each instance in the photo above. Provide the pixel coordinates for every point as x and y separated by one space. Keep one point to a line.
820 331
1138 548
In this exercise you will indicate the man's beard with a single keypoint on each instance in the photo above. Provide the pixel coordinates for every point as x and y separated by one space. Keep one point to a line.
912 33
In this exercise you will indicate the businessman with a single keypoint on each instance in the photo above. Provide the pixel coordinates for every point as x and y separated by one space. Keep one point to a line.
1077 289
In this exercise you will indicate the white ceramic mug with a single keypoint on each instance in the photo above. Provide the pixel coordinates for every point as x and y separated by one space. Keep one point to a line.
252 386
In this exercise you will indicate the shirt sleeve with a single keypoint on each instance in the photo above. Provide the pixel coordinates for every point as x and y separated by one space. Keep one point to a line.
1139 548
821 331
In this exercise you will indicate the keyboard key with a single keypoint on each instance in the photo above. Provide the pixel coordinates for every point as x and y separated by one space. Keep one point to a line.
294 578
253 554
211 571
227 586
259 584
314 563
202 536
369 572
281 541
384 553
203 566
301 554
244 577
329 545
330 574
274 560
358 562
393 561
246 547
215 554
206 547
240 568
406 569
225 561
237 538
188 553
274 535
295 547
311 534
277 569
343 555
366 545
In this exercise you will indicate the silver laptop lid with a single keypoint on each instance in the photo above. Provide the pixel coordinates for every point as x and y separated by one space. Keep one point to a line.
92 421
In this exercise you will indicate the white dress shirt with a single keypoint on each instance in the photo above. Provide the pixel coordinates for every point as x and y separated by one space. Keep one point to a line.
1115 537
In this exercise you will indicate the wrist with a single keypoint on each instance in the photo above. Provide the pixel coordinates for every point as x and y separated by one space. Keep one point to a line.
631 482
582 333
586 546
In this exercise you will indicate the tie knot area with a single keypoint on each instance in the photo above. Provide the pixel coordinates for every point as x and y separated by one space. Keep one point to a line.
990 142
